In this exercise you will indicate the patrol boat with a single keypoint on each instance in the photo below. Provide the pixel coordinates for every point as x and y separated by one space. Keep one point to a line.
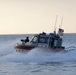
51 41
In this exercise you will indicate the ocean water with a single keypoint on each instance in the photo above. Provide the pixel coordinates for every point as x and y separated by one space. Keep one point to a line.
37 61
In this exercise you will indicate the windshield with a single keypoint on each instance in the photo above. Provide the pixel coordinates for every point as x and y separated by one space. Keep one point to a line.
34 39
43 40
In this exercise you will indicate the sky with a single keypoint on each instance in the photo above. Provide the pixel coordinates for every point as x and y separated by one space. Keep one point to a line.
36 16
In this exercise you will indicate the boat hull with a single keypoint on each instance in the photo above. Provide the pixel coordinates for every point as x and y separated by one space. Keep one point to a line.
23 47
20 47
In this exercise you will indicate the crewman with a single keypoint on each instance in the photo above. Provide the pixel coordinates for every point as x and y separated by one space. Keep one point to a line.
25 40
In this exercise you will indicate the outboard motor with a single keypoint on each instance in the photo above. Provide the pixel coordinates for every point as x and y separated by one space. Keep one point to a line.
58 42
55 43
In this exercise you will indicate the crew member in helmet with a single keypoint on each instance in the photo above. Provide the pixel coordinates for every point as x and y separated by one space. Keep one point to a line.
27 39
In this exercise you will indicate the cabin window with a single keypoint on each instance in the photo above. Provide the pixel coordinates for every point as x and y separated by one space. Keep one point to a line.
34 39
43 40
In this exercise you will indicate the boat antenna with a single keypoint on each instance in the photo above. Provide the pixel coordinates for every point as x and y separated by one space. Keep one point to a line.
55 24
61 23
60 31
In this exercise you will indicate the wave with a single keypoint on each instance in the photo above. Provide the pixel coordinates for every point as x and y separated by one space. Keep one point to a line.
39 55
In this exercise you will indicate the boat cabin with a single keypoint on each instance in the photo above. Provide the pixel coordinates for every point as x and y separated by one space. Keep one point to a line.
47 40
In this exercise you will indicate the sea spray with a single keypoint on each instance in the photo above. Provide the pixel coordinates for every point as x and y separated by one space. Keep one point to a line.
7 47
37 55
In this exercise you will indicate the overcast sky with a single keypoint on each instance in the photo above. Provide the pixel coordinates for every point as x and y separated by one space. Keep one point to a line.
35 16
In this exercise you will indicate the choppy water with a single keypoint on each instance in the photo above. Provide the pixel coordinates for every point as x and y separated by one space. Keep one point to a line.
37 61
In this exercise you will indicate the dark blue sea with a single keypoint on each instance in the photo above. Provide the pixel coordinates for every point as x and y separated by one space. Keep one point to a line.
36 61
